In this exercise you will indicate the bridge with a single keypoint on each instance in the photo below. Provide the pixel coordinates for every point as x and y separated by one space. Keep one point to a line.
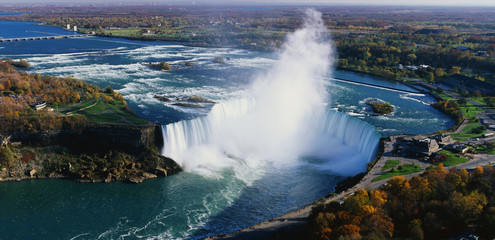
375 86
42 38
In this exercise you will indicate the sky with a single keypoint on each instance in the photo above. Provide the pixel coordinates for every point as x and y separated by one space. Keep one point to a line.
339 2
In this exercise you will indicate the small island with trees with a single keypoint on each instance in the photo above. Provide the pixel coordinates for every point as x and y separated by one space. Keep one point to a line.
380 107
160 66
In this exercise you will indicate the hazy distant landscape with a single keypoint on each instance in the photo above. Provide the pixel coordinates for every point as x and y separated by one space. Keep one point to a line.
247 121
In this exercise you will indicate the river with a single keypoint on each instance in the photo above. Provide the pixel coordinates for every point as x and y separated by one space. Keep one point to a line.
190 204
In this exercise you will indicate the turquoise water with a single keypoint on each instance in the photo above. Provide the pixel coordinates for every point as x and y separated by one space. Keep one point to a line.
186 205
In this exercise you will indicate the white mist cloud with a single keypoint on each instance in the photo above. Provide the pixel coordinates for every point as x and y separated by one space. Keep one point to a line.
283 118
273 124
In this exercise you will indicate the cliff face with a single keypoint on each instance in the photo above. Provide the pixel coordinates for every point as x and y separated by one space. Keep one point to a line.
99 153
100 138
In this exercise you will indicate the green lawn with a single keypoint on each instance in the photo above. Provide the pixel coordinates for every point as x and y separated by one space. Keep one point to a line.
112 112
98 108
466 133
470 111
73 107
483 149
390 164
398 171
478 100
124 32
453 159
444 96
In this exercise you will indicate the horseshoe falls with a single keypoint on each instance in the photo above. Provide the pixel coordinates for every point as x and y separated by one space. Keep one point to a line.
282 121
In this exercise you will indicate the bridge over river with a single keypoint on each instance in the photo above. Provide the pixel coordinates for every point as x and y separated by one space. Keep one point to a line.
375 86
43 38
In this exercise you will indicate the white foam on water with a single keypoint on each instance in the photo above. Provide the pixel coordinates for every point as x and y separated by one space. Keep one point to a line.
279 121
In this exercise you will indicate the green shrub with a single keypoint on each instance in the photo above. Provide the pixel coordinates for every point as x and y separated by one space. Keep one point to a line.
6 157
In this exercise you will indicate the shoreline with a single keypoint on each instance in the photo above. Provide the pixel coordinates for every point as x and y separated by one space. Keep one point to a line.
296 220
299 213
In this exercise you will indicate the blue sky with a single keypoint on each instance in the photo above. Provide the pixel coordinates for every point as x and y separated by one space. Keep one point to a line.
340 2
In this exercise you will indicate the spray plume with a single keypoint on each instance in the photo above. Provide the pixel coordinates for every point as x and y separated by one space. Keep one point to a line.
284 117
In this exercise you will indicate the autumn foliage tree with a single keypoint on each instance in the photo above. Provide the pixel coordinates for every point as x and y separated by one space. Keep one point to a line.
19 89
437 205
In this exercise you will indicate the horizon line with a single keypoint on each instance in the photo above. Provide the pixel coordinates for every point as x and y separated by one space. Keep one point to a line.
34 3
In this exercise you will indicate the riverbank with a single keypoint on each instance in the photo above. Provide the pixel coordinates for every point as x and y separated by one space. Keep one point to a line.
293 225
98 154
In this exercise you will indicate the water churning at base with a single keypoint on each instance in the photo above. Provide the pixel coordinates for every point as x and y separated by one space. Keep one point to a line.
283 120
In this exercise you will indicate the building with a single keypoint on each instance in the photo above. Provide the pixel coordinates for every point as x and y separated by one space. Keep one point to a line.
482 54
38 105
75 28
424 146
68 26
461 148
443 140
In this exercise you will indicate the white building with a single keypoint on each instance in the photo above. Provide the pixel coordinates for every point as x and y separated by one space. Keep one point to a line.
68 26
75 28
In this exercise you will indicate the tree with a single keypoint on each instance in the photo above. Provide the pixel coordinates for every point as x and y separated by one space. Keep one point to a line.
462 101
343 62
6 157
415 230
350 231
165 66
439 73
455 70
430 77
412 57
109 89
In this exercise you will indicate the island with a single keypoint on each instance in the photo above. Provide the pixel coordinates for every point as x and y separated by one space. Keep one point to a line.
160 66
186 101
66 128
380 107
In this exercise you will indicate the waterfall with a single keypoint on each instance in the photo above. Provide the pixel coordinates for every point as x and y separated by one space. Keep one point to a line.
350 142
282 119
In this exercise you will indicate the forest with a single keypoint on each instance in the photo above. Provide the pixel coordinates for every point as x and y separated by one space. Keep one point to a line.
438 205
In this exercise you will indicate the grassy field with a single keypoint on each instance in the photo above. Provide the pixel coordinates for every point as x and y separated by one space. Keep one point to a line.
483 149
75 107
467 133
479 100
390 164
124 32
112 112
400 170
470 111
453 159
